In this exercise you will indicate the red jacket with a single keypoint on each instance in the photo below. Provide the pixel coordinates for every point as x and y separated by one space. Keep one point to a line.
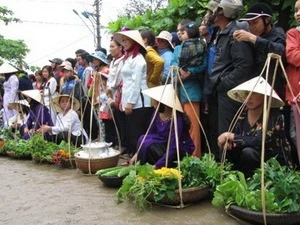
293 59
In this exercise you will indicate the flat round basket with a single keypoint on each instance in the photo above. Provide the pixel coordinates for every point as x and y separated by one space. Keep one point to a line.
96 164
114 182
11 154
65 163
189 195
257 217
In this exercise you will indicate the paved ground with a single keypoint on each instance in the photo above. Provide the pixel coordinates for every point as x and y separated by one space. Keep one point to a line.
47 194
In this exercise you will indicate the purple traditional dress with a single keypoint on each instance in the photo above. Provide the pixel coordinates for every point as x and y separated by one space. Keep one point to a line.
159 134
38 115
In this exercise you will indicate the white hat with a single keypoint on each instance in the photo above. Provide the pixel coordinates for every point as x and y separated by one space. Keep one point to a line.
7 68
65 63
17 104
258 85
166 35
56 107
166 95
68 67
33 94
132 34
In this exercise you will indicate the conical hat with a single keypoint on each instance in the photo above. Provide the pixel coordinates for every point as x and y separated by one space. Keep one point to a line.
17 104
258 85
34 94
7 68
166 95
132 34
56 107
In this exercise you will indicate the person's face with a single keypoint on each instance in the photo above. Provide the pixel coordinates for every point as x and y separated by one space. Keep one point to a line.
65 102
127 43
45 73
179 32
38 77
161 43
115 49
257 26
67 73
202 29
184 35
256 100
297 11
96 62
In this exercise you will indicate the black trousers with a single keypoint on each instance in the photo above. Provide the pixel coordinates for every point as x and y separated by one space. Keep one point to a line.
136 124
120 121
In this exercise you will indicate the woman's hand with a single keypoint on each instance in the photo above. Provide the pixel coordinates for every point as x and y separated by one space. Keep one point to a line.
226 139
43 129
133 159
128 108
184 74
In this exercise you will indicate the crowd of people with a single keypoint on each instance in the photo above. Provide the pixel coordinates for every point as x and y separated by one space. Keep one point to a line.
204 63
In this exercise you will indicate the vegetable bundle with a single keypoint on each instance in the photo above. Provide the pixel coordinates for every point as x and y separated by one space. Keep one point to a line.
282 193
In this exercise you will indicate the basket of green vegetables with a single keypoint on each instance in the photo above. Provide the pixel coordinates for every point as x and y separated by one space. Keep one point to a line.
114 176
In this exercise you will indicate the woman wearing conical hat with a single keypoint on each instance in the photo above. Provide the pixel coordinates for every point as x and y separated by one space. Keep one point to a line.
68 125
136 105
38 113
11 87
245 142
154 146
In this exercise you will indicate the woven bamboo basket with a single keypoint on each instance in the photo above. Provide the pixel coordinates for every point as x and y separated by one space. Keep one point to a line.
65 163
189 195
114 182
96 163
256 218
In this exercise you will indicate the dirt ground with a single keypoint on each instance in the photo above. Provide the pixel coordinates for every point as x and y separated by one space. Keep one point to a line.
34 193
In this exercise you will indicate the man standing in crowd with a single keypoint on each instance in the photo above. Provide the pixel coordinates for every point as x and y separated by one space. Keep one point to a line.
233 64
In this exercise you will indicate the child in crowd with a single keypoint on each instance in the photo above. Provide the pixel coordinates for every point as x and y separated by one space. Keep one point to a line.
193 47
105 112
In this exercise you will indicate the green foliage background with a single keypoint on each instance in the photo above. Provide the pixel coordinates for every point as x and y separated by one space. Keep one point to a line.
167 18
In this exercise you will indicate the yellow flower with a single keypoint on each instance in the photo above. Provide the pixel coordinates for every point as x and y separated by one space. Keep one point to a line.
141 179
168 173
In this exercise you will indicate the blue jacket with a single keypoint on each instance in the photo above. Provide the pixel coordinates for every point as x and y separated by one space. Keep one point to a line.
192 83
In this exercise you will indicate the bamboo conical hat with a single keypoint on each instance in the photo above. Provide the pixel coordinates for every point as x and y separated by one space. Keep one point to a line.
166 95
258 85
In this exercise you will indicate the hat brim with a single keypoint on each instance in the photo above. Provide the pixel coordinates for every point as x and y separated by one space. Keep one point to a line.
56 107
257 85
6 68
132 34
166 95
34 94
170 43
17 104
91 57
253 16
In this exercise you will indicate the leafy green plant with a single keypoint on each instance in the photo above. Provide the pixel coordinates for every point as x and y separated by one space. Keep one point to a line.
41 150
205 171
19 147
281 190
145 181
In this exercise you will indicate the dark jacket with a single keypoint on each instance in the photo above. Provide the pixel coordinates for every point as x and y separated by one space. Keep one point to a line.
272 42
234 61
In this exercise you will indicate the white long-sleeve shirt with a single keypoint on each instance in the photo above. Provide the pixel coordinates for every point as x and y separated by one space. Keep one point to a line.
69 121
134 75
114 76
